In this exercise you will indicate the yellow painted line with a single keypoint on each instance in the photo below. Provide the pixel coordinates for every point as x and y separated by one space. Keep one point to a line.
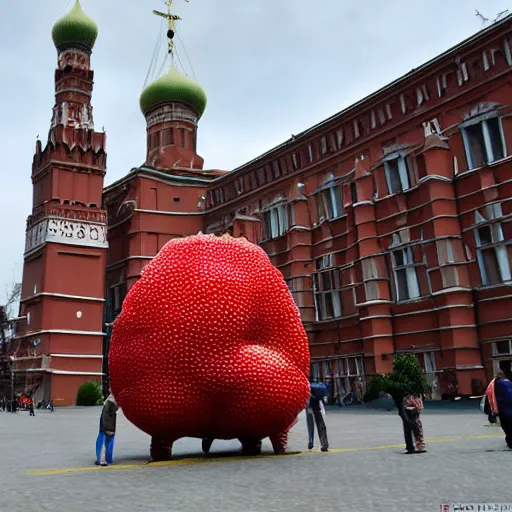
208 460
119 467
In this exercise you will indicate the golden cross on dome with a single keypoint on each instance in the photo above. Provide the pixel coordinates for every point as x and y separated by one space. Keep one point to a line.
171 18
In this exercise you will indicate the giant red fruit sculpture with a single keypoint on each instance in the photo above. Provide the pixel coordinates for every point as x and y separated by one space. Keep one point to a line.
210 344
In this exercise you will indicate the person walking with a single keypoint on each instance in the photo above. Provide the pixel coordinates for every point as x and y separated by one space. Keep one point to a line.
31 407
315 414
413 428
106 435
499 394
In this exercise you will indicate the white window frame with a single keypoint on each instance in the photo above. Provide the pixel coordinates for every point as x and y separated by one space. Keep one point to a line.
500 249
447 258
413 285
370 277
495 352
488 150
339 137
330 199
429 359
326 370
310 152
295 161
500 356
276 221
325 265
403 174
323 145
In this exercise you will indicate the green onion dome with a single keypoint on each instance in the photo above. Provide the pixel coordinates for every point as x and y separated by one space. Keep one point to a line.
173 87
75 28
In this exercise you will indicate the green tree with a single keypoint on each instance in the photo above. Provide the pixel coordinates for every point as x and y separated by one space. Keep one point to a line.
89 394
407 378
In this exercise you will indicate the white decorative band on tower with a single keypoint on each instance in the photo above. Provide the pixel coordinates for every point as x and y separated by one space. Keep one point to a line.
172 112
62 231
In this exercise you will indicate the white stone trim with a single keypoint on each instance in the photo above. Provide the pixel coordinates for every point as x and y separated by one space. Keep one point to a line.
173 112
59 372
419 312
500 297
158 212
67 232
451 290
63 296
77 356
61 331
65 372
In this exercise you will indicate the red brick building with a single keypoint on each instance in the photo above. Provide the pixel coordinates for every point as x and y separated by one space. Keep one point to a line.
59 340
390 221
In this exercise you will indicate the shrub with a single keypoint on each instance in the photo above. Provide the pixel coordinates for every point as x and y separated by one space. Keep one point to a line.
89 394
407 378
375 389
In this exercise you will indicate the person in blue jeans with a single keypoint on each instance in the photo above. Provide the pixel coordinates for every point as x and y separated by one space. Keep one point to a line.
106 435
315 415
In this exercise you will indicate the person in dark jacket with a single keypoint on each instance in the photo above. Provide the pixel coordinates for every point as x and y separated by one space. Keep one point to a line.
503 392
315 414
105 440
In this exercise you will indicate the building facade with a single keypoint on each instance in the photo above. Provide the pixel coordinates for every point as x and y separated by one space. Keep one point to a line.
390 222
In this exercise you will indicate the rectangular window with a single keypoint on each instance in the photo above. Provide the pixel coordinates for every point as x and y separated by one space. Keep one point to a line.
310 152
326 285
169 137
156 140
445 252
330 203
276 221
339 138
406 279
252 178
296 160
353 192
397 175
276 171
502 348
430 362
323 144
484 142
492 254
370 273
350 367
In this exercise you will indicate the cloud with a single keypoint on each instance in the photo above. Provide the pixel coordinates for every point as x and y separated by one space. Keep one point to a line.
270 68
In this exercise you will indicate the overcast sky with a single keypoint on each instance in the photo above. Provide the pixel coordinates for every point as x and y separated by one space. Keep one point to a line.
270 68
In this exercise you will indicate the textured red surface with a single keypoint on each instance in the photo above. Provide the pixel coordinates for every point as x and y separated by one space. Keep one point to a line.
210 344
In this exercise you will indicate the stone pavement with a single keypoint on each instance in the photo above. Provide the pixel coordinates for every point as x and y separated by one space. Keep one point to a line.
46 463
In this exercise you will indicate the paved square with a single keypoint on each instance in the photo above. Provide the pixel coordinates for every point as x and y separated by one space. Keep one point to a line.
46 463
